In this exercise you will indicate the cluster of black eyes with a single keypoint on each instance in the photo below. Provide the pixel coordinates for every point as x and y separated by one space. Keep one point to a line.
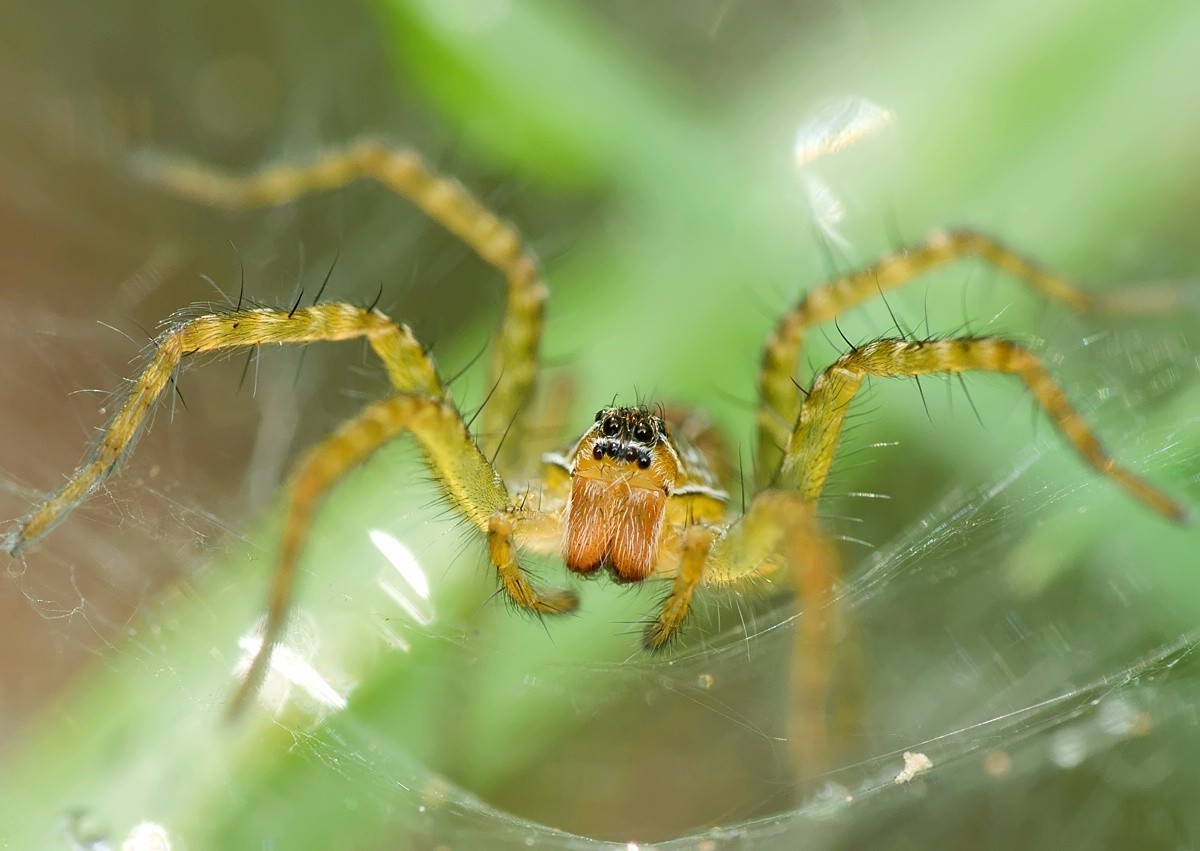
613 449
642 432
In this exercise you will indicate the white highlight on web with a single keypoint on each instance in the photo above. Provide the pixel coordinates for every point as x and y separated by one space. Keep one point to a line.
292 668
147 836
411 593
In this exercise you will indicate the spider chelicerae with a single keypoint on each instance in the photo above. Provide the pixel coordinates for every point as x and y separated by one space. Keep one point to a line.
643 493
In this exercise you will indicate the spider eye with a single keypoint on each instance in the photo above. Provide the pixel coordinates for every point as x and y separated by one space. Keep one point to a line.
610 427
642 433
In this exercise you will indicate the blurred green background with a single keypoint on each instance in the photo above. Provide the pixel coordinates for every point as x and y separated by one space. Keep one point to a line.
1014 617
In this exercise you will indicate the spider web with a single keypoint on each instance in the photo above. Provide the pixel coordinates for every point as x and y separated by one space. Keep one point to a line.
1018 657
1028 678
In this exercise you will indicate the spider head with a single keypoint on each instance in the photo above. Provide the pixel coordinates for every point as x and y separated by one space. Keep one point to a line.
622 471
625 436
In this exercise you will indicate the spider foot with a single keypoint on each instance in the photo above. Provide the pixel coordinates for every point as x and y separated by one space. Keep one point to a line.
555 601
658 635
665 628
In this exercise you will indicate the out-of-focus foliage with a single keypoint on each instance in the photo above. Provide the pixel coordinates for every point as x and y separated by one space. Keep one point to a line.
1004 605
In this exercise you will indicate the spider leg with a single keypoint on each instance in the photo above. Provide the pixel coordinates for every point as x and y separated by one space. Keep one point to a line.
694 558
503 529
547 424
515 348
778 529
466 477
757 544
779 403
815 570
408 368
814 441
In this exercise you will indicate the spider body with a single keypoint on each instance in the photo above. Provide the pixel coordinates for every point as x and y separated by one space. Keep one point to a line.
632 486
641 494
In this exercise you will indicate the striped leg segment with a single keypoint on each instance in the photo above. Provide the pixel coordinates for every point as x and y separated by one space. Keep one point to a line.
409 369
692 563
465 476
515 348
780 403
814 441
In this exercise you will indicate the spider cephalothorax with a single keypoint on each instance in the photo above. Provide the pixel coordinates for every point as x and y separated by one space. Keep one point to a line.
643 494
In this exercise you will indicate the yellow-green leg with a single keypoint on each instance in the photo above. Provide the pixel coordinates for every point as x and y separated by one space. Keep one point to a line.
515 348
812 444
780 530
408 368
460 469
779 401
693 559
502 531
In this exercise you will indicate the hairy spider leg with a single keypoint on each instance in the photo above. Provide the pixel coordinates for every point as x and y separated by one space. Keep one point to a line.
469 480
505 529
814 441
516 345
694 548
465 475
810 451
407 366
753 546
819 631
779 403
779 528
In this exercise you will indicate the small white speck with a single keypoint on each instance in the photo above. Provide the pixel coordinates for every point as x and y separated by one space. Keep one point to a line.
147 836
914 764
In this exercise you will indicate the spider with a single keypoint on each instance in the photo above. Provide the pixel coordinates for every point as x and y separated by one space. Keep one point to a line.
642 493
